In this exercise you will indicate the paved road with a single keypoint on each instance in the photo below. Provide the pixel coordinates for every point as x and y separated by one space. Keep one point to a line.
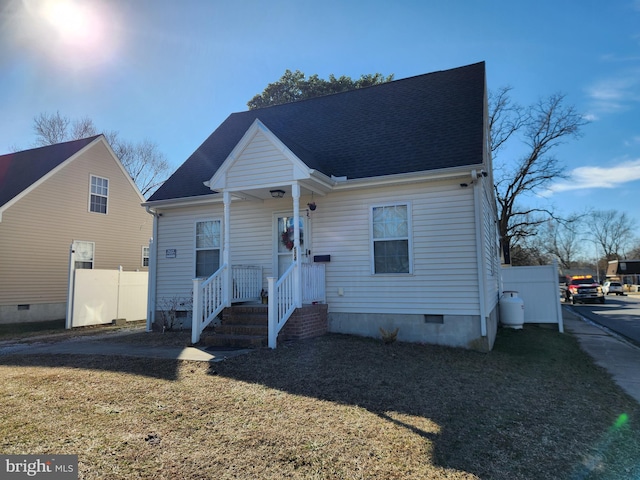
621 314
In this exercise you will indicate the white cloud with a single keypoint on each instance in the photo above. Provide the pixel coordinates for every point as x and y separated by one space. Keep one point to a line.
614 94
598 177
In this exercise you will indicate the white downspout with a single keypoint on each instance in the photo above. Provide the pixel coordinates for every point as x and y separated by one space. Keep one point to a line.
480 264
153 260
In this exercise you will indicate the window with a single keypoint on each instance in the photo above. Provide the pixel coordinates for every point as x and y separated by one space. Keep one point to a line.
390 236
207 247
99 194
83 254
145 256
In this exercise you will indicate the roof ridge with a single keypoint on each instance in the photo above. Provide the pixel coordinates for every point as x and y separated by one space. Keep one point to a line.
395 81
86 139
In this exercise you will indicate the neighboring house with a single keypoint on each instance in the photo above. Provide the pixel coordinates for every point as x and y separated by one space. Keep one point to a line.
627 271
50 197
387 190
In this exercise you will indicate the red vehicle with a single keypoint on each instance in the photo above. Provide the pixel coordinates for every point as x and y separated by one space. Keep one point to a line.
583 288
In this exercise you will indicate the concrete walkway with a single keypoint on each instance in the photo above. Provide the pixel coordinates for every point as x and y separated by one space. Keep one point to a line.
608 350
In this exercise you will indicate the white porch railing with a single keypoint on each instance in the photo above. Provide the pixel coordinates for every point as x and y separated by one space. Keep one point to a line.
247 283
282 302
313 283
210 295
208 301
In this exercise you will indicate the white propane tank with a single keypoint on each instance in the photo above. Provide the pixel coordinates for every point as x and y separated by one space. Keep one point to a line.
511 309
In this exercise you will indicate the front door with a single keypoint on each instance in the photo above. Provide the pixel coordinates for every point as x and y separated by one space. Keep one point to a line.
284 241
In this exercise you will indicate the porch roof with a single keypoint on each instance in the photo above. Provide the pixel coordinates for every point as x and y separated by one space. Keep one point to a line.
428 122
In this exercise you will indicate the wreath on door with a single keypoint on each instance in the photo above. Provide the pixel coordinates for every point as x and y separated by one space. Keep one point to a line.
287 238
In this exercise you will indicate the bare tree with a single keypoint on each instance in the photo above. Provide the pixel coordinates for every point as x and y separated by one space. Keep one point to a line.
83 128
540 127
634 251
562 239
147 166
612 231
50 128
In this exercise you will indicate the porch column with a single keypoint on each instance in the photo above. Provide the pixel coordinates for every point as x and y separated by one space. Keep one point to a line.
226 257
297 283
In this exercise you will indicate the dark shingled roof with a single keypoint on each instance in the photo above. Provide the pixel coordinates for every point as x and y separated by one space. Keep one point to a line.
20 170
422 123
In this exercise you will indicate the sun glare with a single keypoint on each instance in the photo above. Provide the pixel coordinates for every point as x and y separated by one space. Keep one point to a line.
74 22
73 33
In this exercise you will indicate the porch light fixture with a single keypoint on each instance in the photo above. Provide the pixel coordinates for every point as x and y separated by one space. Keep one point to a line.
277 193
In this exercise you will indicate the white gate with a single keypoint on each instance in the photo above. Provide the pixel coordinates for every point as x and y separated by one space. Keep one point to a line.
538 288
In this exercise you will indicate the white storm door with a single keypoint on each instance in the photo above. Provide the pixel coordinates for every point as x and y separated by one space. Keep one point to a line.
283 241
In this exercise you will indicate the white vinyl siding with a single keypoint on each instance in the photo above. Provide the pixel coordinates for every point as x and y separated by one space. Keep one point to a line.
444 276
251 233
260 163
444 279
491 246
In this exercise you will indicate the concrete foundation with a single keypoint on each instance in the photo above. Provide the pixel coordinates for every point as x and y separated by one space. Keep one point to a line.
450 330
34 312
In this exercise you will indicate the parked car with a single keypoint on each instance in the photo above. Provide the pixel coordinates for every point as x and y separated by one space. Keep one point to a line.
612 287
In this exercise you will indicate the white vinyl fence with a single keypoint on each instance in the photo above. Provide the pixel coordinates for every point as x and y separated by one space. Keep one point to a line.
538 288
101 296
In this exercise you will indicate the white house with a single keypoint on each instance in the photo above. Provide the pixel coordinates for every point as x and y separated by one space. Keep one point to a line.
372 209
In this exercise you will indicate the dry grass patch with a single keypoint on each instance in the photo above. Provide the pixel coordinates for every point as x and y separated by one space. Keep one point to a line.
335 407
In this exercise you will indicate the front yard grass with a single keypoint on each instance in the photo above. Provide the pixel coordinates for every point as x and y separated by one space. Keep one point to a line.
337 407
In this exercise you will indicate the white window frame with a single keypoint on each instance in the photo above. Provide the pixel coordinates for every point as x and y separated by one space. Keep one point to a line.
93 254
195 247
145 254
98 194
408 238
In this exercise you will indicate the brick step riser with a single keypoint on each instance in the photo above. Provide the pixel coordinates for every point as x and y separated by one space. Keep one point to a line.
236 329
245 319
234 341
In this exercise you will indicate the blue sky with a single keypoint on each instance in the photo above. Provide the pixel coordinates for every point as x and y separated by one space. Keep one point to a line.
173 71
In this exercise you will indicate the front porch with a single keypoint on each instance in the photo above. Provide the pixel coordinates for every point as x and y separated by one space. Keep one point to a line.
300 287
246 326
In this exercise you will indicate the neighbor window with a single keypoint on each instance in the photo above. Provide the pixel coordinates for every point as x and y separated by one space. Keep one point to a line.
145 256
390 237
83 254
207 247
99 194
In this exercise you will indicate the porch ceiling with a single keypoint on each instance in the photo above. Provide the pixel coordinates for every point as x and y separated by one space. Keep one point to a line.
264 192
